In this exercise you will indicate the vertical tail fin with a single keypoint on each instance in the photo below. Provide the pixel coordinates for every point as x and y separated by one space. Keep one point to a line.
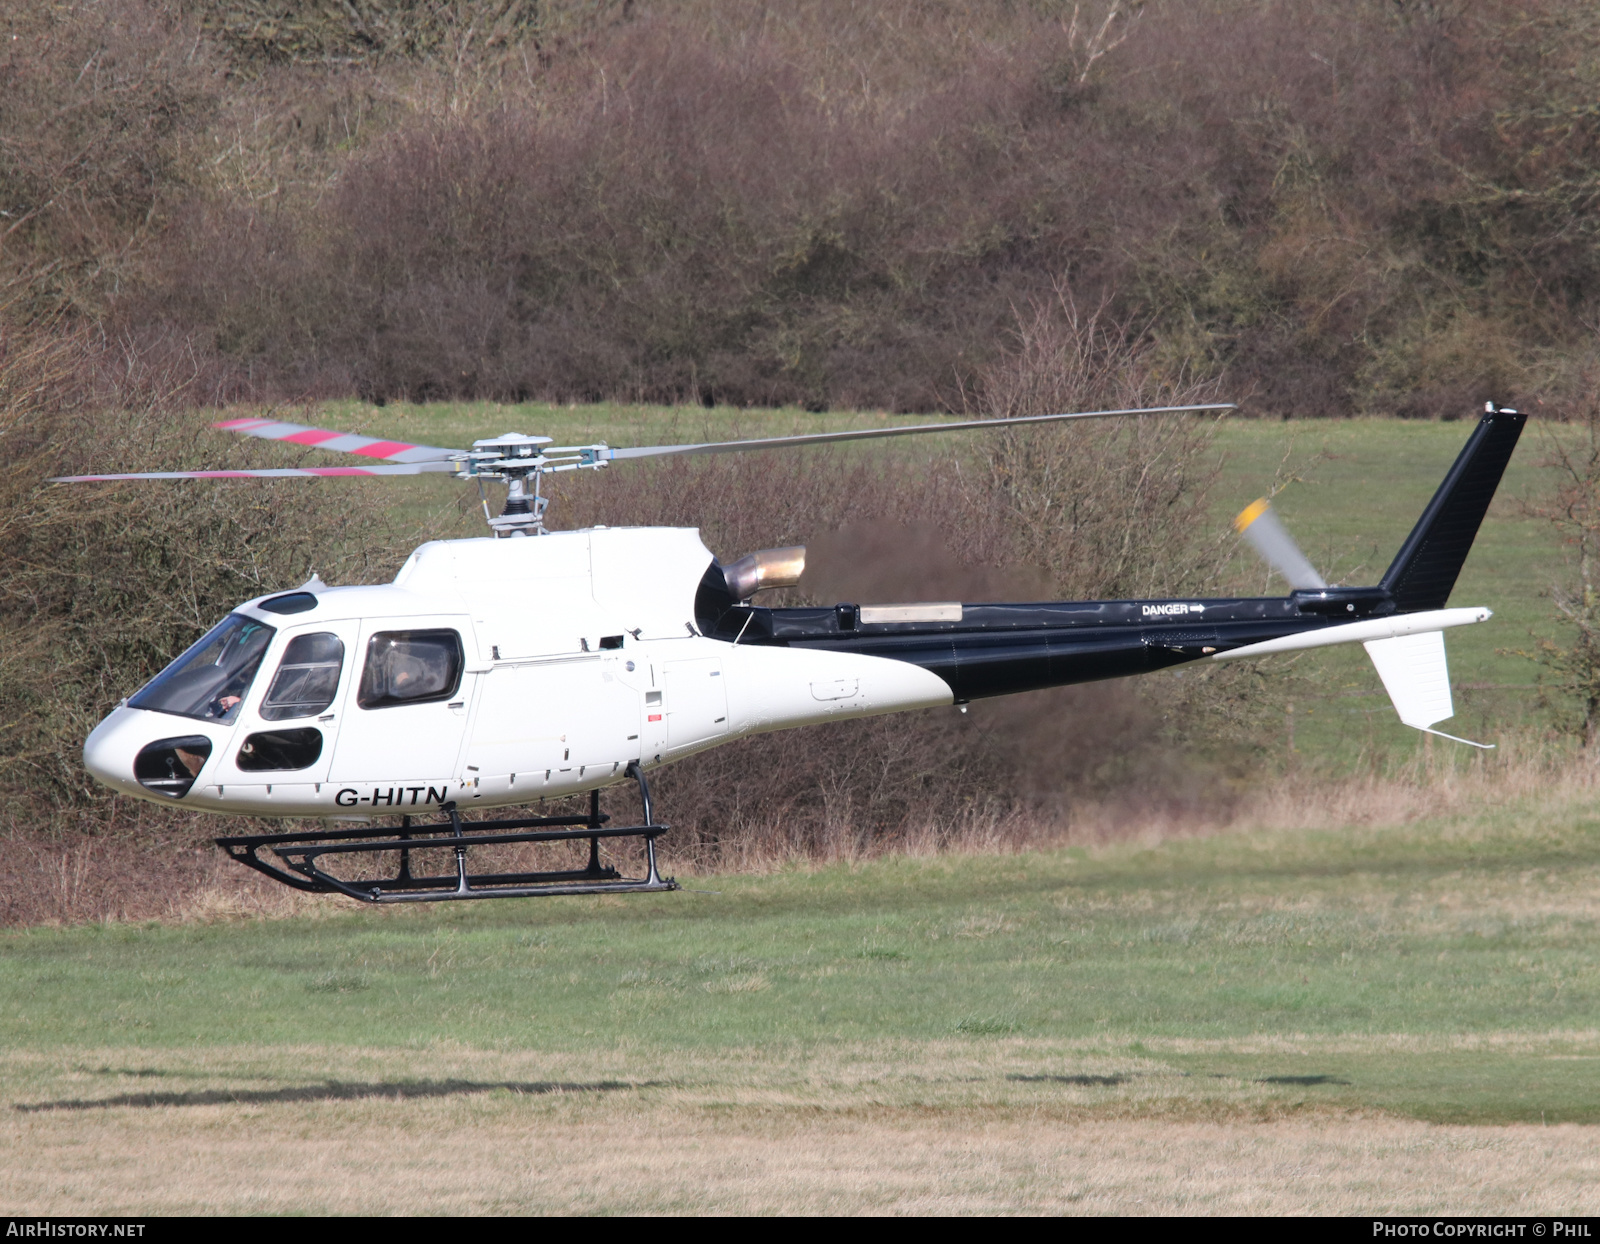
1417 678
1425 569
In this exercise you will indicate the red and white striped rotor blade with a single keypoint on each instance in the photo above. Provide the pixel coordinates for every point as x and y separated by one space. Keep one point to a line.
345 442
409 468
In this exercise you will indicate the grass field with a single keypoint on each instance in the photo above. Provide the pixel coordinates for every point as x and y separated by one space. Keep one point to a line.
1401 1020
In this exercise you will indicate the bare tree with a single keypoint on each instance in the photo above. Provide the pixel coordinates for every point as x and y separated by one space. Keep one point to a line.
1573 509
1104 507
1111 34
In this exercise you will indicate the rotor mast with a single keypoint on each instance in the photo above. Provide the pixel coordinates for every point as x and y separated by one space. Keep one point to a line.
522 461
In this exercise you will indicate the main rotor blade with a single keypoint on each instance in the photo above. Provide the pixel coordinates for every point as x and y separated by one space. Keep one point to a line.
410 468
819 438
1271 539
345 442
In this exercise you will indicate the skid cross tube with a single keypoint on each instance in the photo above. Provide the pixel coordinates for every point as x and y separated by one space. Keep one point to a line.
301 860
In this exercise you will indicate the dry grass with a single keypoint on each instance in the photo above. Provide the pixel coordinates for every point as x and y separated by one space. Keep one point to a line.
80 879
76 879
1528 770
942 1127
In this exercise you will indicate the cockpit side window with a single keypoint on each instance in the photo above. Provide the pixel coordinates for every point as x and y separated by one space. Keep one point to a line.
307 678
410 667
210 681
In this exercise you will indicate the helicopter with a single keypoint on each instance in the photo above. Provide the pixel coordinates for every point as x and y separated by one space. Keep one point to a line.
532 664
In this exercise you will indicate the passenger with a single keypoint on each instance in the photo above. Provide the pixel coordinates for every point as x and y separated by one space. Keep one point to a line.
408 674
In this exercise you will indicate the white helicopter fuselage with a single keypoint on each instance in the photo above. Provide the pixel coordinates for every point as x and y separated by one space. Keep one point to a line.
578 655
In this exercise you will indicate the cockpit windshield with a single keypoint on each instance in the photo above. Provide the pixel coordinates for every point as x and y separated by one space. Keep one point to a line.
211 680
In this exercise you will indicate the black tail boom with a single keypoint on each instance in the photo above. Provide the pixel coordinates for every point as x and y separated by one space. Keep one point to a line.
1001 649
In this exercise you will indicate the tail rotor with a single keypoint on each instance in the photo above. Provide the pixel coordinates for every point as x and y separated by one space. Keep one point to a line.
1412 668
1259 524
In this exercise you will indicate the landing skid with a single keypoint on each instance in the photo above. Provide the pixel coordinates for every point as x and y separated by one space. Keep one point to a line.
304 860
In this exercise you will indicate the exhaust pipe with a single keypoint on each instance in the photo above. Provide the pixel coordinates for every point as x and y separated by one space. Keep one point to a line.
756 572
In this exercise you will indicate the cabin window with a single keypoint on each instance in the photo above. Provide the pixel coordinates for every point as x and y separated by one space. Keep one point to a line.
170 766
279 750
410 667
210 680
307 678
294 602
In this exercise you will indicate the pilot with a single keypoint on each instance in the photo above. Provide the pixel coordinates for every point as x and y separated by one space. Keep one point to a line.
408 672
230 696
238 660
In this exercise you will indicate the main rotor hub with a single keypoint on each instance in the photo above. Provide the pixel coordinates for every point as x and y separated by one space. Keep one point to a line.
510 447
521 460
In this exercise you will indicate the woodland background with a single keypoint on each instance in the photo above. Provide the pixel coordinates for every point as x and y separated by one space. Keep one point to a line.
1373 206
1319 209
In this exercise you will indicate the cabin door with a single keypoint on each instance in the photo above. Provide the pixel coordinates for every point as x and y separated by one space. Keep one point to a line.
400 741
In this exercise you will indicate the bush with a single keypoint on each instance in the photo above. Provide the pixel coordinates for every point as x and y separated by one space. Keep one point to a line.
1341 208
102 106
102 585
1081 511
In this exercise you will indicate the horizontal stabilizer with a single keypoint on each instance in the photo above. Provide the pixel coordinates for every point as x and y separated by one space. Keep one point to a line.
1360 632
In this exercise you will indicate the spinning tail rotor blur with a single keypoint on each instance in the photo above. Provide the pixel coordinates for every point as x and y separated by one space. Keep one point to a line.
1265 532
